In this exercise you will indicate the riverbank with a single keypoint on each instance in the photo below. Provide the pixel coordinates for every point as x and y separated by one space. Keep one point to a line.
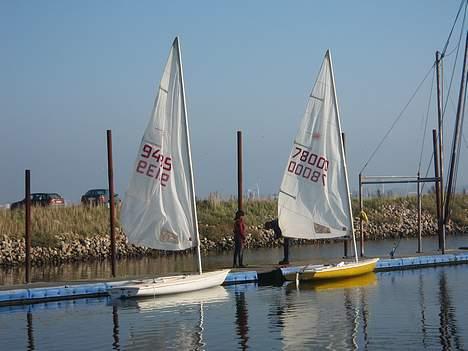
80 234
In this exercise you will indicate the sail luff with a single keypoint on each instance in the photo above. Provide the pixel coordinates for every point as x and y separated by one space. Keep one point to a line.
189 152
338 121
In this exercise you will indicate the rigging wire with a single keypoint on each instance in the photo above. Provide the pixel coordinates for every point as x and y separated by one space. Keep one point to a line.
425 124
456 143
421 83
427 171
454 65
453 26
398 118
458 146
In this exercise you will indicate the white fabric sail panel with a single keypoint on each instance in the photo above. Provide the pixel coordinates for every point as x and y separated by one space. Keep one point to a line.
313 202
157 211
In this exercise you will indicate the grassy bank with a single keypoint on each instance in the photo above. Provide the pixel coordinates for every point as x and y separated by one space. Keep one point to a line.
215 217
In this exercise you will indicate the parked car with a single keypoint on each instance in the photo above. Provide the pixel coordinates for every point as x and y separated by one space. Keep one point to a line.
40 199
96 197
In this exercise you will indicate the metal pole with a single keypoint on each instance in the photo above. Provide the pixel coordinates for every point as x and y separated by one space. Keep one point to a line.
437 185
176 45
456 135
27 214
419 218
239 170
110 173
440 99
361 225
345 242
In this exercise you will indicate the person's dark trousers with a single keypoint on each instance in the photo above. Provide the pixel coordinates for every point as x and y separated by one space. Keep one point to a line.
238 252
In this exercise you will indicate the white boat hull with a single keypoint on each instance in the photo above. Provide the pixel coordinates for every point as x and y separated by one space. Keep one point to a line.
169 285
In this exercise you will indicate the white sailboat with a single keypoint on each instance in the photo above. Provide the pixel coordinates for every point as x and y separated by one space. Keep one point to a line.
159 209
314 200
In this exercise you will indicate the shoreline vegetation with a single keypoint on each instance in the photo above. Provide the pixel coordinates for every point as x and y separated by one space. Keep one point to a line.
79 233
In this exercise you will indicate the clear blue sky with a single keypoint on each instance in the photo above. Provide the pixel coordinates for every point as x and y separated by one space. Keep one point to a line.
72 69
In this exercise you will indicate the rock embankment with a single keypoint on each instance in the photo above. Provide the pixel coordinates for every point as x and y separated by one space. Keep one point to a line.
389 221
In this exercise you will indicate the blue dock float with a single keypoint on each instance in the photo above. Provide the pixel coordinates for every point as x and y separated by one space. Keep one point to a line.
55 293
33 295
392 264
241 277
65 292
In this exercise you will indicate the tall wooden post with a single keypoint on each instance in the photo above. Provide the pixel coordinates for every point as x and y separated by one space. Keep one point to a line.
437 185
361 224
239 170
419 217
110 173
345 242
27 221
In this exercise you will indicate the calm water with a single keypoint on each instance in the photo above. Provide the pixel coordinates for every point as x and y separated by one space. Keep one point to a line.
407 310
170 264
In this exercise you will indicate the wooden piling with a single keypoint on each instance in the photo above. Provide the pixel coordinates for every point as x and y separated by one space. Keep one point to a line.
437 186
27 221
110 173
239 171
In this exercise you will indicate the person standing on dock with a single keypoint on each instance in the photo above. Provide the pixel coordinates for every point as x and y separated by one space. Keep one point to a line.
278 234
239 239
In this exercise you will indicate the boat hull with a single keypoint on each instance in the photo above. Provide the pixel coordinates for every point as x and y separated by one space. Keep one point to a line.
169 285
346 270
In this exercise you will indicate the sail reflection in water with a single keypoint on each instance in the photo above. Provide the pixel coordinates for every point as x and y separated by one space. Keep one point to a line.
182 334
407 310
310 314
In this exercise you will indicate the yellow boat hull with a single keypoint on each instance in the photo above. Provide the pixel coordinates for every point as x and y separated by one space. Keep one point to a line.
345 270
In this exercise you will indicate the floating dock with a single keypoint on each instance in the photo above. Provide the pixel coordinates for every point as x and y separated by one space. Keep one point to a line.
264 275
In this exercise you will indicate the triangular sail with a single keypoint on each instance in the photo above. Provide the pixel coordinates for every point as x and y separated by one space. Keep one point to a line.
314 200
159 208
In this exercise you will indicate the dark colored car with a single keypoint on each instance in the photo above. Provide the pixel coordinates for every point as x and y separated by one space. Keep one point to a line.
95 197
40 199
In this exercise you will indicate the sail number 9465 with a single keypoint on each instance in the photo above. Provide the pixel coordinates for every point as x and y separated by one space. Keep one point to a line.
154 164
308 165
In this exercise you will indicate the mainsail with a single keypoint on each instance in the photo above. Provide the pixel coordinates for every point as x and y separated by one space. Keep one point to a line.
314 200
159 207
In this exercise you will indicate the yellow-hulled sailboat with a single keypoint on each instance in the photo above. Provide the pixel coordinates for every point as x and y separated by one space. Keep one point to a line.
314 200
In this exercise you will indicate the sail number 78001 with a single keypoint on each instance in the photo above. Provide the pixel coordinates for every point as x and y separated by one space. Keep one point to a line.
308 165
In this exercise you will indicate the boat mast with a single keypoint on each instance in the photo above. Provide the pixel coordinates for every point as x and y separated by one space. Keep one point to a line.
189 152
335 101
440 203
456 137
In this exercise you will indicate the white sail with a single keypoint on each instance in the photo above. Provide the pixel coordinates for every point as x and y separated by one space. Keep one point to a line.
314 201
159 208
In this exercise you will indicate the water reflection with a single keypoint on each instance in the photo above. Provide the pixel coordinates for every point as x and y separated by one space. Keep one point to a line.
449 339
365 315
29 328
115 329
173 321
408 310
242 319
352 315
422 306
